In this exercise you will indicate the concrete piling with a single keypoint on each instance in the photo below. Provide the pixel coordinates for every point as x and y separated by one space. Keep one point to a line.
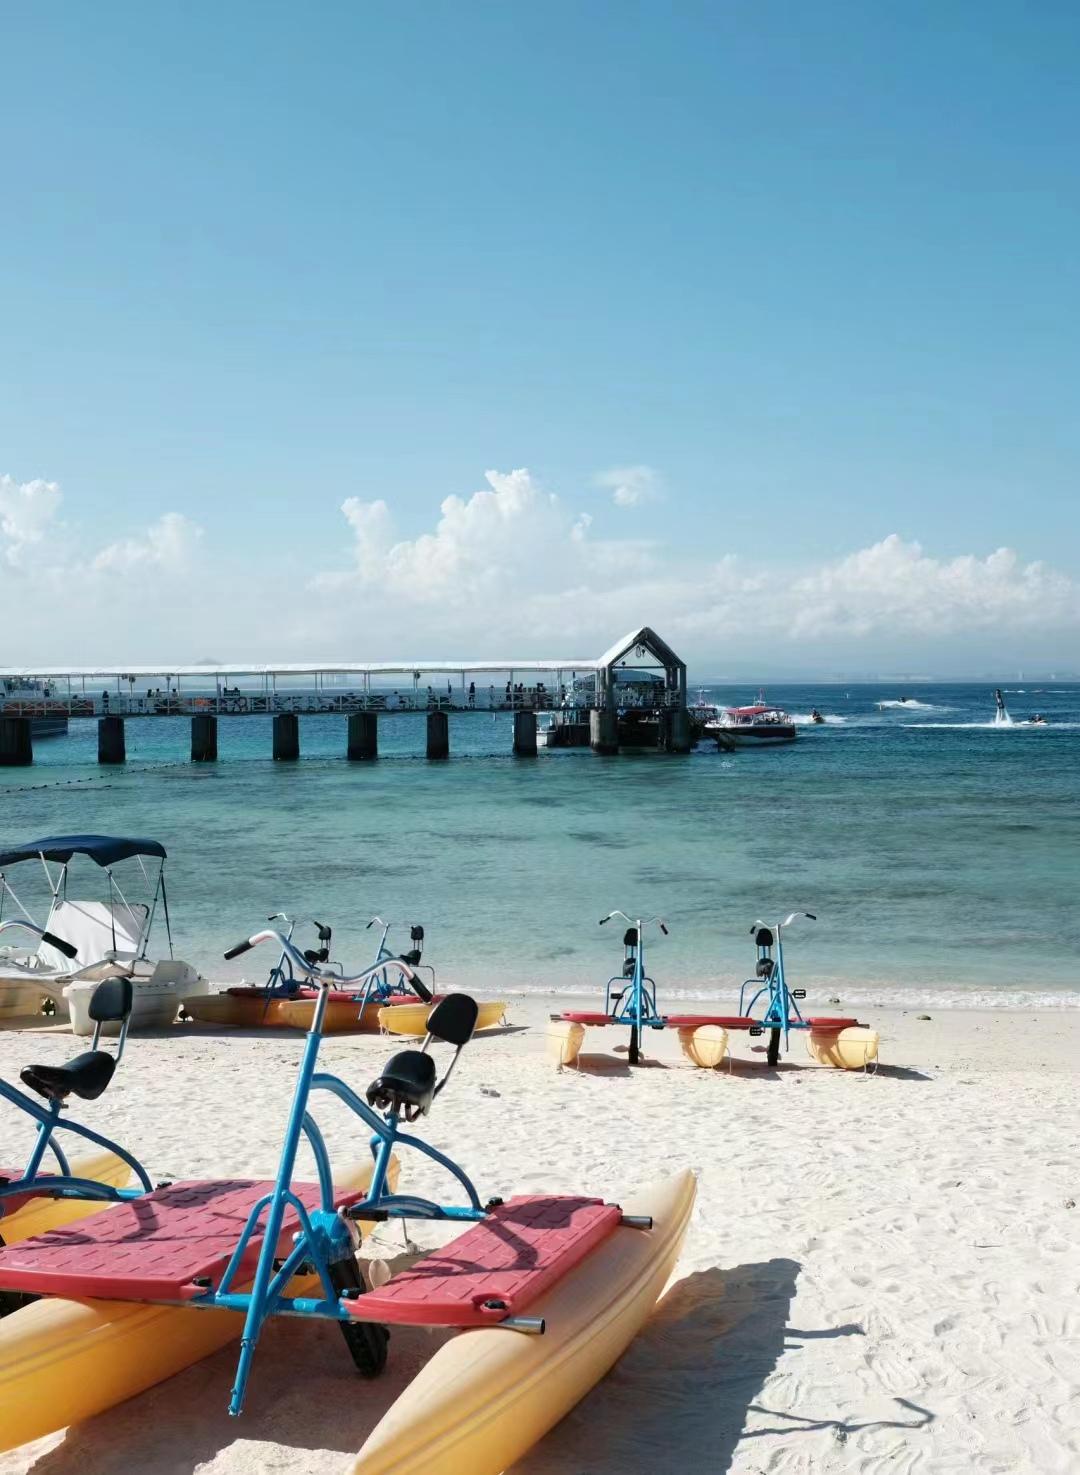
110 740
604 731
286 737
438 735
679 739
363 738
204 738
674 730
524 734
16 742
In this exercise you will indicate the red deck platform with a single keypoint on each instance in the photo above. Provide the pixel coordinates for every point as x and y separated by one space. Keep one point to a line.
15 1200
667 1021
152 1248
510 1258
821 1023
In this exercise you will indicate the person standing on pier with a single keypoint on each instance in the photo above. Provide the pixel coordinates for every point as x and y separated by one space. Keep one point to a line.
472 693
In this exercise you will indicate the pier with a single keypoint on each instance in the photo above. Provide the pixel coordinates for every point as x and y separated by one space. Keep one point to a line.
631 697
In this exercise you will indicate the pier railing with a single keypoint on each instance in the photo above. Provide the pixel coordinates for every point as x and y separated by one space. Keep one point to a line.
307 704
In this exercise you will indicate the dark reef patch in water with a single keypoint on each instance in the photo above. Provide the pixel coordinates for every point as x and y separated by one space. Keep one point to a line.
601 838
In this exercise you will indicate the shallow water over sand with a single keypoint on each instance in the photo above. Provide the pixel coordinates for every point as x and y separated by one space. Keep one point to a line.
941 853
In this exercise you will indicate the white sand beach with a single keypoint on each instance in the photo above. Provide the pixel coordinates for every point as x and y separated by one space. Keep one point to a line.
881 1274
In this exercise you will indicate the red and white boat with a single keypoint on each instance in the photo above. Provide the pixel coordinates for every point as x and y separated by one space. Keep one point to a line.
757 726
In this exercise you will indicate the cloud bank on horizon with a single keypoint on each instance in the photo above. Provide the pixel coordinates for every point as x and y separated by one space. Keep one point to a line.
515 570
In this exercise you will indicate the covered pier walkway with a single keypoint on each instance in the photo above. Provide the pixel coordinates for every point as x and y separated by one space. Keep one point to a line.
637 687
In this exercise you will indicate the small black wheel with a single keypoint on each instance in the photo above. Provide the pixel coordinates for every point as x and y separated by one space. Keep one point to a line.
773 1055
367 1341
635 1052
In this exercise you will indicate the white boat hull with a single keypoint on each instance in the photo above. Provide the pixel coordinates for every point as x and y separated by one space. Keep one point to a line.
157 995
156 998
25 997
746 738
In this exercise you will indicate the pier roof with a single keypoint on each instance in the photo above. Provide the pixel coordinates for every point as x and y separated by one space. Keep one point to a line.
304 668
637 645
647 641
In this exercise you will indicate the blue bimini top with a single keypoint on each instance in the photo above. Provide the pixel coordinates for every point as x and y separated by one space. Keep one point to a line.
104 850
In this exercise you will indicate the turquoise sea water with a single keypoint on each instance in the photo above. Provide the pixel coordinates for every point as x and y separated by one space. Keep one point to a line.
941 853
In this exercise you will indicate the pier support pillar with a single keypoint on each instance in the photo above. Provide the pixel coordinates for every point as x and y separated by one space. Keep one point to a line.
204 738
524 734
110 740
16 742
363 741
286 737
675 730
604 732
438 735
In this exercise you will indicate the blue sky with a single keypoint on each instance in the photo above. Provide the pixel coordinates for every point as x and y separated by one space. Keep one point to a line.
814 267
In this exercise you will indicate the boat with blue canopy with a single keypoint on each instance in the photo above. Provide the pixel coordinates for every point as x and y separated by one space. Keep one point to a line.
52 967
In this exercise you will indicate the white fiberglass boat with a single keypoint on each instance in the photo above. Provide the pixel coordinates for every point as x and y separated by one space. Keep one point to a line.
756 726
37 701
83 942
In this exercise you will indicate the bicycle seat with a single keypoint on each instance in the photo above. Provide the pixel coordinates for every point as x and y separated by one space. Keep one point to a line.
407 1084
86 1076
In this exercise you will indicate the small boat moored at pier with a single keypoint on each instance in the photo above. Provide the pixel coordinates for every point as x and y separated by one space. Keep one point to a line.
757 726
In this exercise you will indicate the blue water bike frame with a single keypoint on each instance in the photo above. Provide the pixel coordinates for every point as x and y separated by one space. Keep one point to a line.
378 986
63 1184
381 986
631 999
325 1237
781 1011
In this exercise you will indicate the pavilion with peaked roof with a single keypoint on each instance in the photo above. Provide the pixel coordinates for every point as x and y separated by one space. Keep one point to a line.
640 652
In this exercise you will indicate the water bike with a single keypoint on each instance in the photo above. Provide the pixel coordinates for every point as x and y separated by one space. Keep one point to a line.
630 995
545 1290
36 1197
384 987
830 1040
630 999
287 1001
399 1011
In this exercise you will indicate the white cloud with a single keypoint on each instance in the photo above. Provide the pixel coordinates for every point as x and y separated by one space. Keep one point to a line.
630 486
480 548
892 589
513 569
895 585
166 545
27 510
370 522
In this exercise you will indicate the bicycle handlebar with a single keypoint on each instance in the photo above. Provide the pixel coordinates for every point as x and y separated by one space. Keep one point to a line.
312 970
638 921
791 917
324 932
